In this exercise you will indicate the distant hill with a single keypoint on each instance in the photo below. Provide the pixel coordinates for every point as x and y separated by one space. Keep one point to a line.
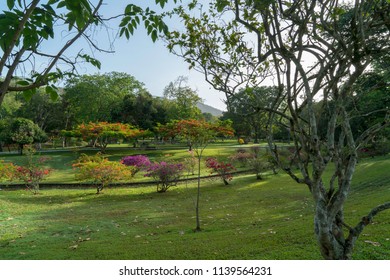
208 109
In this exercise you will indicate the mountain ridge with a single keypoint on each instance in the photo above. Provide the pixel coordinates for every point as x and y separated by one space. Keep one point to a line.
204 108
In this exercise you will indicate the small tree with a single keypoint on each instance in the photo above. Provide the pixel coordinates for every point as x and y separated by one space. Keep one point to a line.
33 172
166 174
100 170
223 169
198 135
190 163
259 165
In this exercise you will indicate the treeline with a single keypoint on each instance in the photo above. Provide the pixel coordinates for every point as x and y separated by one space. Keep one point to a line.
113 97
120 98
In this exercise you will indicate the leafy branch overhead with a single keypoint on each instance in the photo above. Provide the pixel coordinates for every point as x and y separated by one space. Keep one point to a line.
27 27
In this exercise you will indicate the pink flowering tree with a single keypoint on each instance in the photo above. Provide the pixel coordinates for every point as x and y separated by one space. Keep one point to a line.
166 174
137 162
224 170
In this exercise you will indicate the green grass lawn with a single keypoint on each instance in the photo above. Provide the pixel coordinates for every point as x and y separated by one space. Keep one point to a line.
249 219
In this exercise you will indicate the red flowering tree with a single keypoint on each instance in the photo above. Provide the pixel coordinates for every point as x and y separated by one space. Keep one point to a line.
223 169
198 134
33 172
100 134
100 171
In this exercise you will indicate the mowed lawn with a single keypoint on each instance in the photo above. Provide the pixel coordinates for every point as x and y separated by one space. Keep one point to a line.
249 219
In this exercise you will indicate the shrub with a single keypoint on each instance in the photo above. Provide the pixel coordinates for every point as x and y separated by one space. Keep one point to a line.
138 162
241 158
272 162
379 148
255 150
259 165
33 172
190 163
166 174
221 168
100 170
7 171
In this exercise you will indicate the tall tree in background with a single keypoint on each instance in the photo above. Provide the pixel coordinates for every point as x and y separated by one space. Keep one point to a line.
184 98
92 98
244 109
47 113
138 109
313 50
28 27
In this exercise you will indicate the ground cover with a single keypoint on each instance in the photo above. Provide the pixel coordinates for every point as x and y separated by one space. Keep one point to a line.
249 219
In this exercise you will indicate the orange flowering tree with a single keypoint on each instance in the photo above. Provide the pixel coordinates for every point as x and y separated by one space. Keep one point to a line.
100 171
198 134
102 133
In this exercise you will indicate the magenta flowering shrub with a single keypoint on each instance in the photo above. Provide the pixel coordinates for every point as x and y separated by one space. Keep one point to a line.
138 162
166 174
221 168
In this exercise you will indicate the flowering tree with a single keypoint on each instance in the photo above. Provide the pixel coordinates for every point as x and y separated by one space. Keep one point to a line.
138 162
224 170
100 170
166 174
33 172
102 133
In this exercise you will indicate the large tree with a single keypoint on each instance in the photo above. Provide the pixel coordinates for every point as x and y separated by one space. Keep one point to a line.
312 50
33 55
22 132
92 98
184 99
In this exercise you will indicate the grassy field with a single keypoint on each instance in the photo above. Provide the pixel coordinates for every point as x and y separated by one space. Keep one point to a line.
249 219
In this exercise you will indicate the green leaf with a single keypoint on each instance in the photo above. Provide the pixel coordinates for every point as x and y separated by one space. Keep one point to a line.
28 94
92 60
154 35
22 83
61 4
10 4
52 92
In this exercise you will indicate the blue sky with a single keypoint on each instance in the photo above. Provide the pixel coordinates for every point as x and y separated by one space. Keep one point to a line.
150 63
